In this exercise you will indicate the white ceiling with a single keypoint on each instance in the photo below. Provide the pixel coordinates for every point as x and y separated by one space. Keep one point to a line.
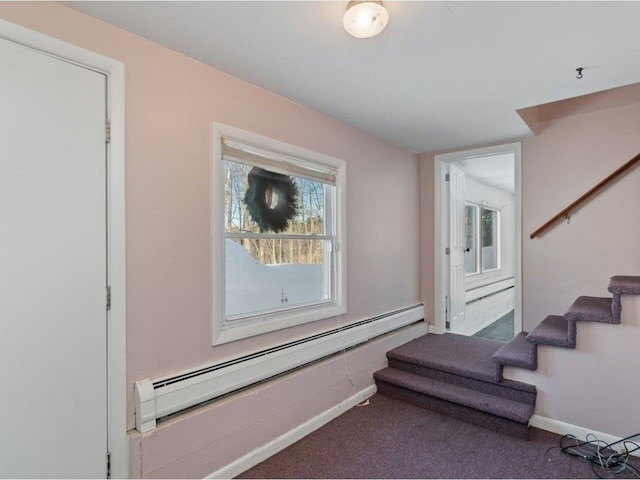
495 170
443 75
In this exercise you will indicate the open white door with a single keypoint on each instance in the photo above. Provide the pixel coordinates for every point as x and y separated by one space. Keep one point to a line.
457 245
53 267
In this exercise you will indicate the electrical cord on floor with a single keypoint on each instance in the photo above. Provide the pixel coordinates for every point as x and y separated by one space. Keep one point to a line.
608 460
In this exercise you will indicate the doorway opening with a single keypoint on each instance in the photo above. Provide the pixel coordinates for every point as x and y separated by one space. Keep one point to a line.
478 238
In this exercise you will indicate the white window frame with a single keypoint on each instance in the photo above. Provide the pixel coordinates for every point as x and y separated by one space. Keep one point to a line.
478 238
498 238
225 331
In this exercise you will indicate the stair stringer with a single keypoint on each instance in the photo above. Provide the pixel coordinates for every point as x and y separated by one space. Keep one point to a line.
593 385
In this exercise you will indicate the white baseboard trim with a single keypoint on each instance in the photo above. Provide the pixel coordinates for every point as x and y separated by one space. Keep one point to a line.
562 428
260 454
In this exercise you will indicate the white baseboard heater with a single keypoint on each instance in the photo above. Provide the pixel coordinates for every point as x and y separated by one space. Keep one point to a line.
164 396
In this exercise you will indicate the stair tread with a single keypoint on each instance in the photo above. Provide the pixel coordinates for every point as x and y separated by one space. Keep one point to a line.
553 330
624 285
502 407
517 353
512 389
452 353
591 309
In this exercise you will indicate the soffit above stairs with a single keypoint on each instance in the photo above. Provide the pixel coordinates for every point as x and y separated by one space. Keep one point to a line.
594 102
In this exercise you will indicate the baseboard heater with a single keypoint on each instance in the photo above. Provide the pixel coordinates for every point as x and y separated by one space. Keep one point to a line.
164 396
489 295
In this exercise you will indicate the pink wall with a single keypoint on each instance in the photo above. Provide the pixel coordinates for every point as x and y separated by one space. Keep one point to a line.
204 440
580 141
577 146
566 159
171 101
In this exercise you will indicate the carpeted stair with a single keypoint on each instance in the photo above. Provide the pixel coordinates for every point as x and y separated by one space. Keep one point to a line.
461 376
455 375
560 331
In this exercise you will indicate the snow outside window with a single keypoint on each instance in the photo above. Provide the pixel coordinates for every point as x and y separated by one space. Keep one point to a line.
281 227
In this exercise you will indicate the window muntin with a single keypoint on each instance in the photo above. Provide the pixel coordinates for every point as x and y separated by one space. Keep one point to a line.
308 253
482 232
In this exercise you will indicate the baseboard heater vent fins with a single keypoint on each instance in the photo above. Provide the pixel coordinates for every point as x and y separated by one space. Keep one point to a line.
164 396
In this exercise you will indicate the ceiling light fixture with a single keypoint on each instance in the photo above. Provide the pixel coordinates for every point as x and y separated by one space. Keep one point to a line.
365 19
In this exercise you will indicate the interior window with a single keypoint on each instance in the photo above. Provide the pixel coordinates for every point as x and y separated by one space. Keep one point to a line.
482 233
489 226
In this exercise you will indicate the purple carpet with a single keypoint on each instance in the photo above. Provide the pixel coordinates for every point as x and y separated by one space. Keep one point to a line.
462 376
393 439
459 376
518 353
592 309
622 285
451 353
555 331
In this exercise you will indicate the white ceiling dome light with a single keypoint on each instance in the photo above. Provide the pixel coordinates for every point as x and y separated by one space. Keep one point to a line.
365 19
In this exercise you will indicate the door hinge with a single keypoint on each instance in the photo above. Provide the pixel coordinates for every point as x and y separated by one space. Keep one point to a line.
447 177
109 298
107 131
108 464
447 251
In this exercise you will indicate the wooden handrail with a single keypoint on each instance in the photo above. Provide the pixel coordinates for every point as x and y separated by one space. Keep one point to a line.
565 213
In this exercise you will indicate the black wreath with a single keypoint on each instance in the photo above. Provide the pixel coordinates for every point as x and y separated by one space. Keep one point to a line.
272 199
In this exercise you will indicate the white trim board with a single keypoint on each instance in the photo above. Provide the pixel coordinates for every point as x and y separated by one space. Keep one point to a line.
440 234
563 428
163 396
260 454
491 289
118 442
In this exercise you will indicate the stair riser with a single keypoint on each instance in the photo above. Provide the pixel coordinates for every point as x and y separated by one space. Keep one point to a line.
491 388
572 332
465 414
560 343
616 307
529 365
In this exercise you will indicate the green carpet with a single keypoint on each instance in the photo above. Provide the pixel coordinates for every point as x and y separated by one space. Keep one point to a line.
501 329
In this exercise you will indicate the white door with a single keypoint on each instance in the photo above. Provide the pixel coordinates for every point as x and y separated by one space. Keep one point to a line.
457 245
53 344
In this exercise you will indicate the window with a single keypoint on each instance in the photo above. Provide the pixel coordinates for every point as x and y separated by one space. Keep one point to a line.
278 226
482 231
489 232
471 230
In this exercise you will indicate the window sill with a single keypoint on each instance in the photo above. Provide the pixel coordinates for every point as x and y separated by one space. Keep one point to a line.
237 330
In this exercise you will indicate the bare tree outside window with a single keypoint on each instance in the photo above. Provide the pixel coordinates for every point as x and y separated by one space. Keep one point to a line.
309 220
